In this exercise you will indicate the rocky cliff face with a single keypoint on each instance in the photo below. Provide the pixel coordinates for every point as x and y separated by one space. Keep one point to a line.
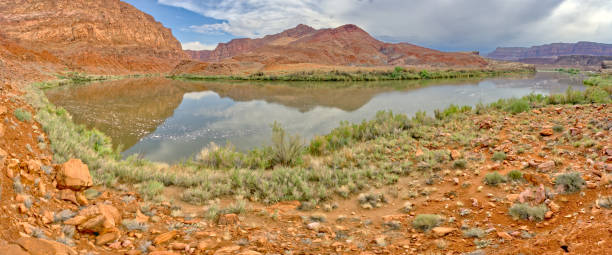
552 50
346 45
93 35
571 61
203 55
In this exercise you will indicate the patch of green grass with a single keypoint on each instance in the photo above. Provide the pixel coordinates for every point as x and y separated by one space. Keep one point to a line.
527 212
425 222
572 71
23 115
569 182
494 178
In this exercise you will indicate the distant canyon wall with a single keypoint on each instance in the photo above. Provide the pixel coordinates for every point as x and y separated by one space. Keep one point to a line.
552 50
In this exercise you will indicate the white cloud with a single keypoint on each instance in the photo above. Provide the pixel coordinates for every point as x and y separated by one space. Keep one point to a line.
198 46
466 24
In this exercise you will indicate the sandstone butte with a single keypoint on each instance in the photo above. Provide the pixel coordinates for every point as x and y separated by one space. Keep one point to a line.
49 208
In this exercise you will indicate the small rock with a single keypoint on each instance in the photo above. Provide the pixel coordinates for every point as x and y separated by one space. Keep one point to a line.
546 166
68 195
548 215
455 154
380 241
12 249
107 238
313 226
178 246
504 235
227 250
165 237
408 206
442 231
163 253
553 206
74 175
36 246
81 199
207 245
546 132
249 252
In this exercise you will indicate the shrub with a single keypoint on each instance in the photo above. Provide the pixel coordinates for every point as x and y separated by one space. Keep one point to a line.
494 178
23 115
527 212
517 106
558 128
569 182
317 146
132 224
371 200
151 189
425 222
217 157
499 156
474 232
286 149
515 175
460 163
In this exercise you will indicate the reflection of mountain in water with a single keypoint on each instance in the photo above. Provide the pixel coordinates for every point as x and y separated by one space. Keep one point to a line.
305 96
128 110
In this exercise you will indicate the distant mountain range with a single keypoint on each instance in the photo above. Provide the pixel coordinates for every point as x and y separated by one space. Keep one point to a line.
347 45
552 50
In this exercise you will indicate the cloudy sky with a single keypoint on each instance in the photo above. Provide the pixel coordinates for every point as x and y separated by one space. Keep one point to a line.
441 24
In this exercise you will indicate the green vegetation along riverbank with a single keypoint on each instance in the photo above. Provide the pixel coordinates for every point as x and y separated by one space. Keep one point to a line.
398 73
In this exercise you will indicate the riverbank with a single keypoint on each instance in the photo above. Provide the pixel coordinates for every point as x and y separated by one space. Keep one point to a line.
398 73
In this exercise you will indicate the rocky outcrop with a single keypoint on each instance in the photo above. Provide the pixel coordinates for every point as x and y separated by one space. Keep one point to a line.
346 45
115 38
552 50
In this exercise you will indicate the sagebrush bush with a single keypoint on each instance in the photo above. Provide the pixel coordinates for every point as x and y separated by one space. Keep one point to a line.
286 149
425 222
460 163
151 189
515 175
23 115
569 182
527 212
494 178
499 156
474 232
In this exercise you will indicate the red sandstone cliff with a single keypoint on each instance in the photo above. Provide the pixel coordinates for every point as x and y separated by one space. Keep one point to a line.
99 36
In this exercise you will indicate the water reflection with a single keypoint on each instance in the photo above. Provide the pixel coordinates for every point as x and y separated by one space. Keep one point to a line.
168 120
